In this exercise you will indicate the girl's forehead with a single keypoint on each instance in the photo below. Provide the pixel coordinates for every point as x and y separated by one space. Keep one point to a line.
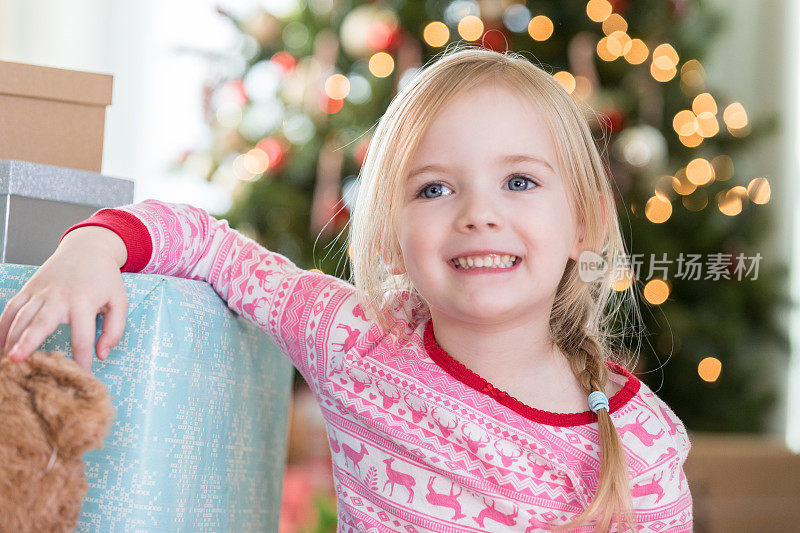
490 119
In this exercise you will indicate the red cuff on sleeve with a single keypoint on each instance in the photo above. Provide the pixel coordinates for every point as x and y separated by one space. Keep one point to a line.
130 229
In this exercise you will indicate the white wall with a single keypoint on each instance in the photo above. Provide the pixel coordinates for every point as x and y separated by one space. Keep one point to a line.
791 169
155 112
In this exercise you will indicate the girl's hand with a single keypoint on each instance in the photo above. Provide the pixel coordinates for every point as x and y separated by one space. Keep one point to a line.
81 279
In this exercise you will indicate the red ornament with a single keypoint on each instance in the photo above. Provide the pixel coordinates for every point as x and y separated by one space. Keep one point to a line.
616 120
285 60
382 36
341 217
494 38
379 35
329 105
272 148
395 39
619 6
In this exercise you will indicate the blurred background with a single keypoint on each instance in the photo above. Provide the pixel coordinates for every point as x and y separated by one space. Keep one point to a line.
260 112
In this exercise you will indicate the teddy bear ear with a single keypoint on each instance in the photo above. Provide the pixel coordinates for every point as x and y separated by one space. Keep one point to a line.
73 404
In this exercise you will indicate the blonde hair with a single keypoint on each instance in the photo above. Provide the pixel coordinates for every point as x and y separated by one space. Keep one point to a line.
581 317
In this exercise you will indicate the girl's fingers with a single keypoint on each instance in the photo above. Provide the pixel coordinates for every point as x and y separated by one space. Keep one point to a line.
25 329
113 325
7 317
83 325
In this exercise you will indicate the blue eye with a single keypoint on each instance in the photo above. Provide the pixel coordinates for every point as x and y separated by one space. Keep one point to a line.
430 186
519 178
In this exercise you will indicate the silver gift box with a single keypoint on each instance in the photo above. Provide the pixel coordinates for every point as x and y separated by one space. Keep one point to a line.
38 203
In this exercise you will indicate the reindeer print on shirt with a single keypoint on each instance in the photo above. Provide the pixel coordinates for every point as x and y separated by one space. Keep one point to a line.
515 452
673 427
490 512
445 428
354 456
653 487
398 478
350 341
534 524
637 428
417 408
389 394
445 500
360 379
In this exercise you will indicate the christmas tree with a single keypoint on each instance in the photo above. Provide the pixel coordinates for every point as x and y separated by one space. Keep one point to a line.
291 128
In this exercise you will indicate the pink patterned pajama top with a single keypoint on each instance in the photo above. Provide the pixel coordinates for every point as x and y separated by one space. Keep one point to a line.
419 442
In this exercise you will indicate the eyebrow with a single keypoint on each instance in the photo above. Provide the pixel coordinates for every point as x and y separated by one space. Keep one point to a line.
511 158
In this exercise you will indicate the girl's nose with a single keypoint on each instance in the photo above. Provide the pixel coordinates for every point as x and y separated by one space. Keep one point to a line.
479 214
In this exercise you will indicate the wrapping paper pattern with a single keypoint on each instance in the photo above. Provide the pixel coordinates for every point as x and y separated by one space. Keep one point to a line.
414 449
201 399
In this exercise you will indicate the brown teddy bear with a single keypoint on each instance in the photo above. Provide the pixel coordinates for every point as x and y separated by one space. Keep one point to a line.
51 412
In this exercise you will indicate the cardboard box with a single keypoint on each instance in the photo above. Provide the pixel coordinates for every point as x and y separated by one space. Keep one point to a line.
53 116
201 397
743 483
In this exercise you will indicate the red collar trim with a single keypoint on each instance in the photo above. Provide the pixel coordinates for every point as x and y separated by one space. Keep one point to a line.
471 379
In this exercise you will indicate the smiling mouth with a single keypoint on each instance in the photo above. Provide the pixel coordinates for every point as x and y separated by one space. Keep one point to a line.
458 265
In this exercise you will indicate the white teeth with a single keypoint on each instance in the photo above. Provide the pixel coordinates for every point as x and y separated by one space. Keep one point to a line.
492 261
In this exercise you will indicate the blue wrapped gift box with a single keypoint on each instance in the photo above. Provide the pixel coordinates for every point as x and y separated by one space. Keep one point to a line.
202 403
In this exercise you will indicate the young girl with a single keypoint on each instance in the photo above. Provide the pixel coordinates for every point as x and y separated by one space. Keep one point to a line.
466 378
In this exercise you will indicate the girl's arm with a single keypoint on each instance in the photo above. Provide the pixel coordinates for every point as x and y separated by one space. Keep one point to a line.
291 305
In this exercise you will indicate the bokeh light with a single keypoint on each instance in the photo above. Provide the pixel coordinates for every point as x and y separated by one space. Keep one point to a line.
470 28
516 17
709 369
656 291
566 80
540 28
614 23
758 190
436 34
681 184
637 52
598 10
619 43
337 86
685 123
735 116
731 202
381 65
657 209
699 171
603 51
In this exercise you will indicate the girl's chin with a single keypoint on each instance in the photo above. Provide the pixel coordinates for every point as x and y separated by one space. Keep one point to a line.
486 313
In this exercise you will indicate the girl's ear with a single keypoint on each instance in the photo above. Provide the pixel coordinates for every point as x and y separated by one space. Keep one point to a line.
392 266
577 249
